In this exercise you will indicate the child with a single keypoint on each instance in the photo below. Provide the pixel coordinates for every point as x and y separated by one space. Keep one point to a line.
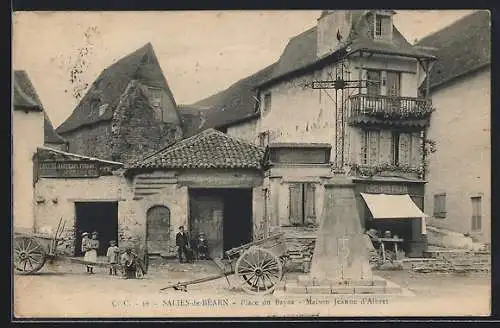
91 253
86 246
113 254
128 262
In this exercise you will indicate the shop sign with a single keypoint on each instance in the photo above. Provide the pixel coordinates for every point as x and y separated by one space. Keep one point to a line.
68 169
386 189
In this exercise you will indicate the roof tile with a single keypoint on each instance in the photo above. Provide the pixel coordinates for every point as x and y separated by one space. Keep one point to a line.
207 149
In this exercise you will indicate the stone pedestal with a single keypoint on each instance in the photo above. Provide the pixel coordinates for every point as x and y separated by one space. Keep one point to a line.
340 255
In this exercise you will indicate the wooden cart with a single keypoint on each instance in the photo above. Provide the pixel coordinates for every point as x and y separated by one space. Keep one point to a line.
33 250
258 264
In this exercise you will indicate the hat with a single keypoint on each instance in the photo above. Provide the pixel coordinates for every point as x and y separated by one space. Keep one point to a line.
85 234
94 233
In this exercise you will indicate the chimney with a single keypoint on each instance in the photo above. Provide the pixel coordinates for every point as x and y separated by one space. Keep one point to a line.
334 27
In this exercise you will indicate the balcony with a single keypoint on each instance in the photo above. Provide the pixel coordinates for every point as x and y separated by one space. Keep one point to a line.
376 109
387 170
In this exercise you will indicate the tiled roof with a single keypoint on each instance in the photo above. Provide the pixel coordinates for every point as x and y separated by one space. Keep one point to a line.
111 84
301 50
460 47
50 135
25 96
235 104
207 149
47 153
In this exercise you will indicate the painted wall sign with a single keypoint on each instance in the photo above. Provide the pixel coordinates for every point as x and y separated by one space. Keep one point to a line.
68 169
387 189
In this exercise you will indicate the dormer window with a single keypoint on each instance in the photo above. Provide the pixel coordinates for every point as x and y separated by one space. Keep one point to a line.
382 26
267 103
156 101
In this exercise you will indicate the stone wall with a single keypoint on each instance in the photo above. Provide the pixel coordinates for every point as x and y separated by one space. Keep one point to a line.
135 129
55 199
92 140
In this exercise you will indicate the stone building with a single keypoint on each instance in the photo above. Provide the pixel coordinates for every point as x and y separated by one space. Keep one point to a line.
343 102
208 182
129 110
458 192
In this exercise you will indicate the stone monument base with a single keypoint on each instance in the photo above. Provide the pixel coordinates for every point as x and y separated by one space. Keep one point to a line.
307 285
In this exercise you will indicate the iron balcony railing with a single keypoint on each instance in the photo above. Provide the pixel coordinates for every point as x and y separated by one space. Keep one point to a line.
388 107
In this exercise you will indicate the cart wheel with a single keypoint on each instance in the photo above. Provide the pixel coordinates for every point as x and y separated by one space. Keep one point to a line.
29 255
259 269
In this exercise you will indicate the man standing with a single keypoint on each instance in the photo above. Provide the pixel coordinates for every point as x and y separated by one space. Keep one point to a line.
181 241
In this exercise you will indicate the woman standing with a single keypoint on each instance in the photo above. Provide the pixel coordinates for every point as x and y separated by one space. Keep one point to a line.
86 247
91 253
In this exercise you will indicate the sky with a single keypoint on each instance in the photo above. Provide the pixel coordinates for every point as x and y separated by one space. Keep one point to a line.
200 53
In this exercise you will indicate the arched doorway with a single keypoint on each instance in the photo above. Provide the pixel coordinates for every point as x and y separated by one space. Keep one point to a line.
158 229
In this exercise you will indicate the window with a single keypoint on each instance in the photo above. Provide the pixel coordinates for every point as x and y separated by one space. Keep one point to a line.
440 206
264 139
374 79
267 102
476 213
378 25
302 204
395 148
370 147
383 27
155 98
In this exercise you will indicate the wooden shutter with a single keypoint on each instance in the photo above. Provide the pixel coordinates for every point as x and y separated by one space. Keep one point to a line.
416 149
296 204
404 148
310 202
385 146
386 27
476 213
373 147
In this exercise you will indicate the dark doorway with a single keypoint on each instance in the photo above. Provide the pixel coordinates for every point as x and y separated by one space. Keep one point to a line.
238 223
224 215
96 216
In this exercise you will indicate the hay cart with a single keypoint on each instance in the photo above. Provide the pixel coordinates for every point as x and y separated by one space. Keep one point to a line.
33 250
259 266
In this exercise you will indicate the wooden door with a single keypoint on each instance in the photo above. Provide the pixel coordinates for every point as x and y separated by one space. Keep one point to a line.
158 229
206 215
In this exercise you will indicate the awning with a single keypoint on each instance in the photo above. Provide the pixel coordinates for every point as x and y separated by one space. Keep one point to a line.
383 206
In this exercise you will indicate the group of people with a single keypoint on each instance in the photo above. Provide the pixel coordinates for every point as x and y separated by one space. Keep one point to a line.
187 250
127 262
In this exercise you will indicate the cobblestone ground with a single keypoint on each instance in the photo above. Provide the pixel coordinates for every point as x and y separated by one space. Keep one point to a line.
66 290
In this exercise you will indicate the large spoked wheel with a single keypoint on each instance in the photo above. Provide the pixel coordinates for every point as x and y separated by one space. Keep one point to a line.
259 270
29 255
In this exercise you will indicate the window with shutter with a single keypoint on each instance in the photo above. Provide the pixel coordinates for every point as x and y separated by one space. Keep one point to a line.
373 84
404 148
385 146
416 149
309 201
296 204
395 148
439 206
374 147
476 213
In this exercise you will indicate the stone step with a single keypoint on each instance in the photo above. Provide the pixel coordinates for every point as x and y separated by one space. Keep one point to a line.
295 288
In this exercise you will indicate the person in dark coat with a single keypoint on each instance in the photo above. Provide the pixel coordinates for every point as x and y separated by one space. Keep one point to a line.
181 241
